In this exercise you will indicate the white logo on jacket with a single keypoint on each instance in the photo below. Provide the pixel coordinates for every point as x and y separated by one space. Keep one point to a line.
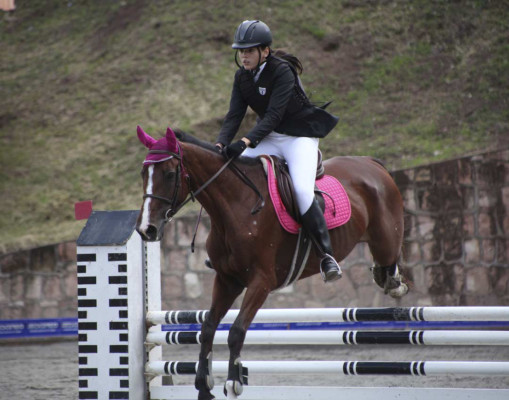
262 90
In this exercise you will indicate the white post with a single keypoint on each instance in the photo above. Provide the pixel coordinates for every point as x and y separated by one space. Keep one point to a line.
112 306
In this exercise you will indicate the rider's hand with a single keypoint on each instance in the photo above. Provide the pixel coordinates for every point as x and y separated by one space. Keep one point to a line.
235 149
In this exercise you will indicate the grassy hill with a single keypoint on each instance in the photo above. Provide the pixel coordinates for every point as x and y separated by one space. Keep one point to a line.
413 82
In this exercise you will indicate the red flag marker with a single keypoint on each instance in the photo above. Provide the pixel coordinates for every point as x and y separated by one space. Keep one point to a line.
82 209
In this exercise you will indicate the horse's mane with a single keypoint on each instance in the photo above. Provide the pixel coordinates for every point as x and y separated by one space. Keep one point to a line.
188 138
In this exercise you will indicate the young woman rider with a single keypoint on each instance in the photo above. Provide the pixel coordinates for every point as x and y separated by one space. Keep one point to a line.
289 126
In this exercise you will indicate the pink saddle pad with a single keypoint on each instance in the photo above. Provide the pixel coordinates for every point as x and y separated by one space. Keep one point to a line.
337 209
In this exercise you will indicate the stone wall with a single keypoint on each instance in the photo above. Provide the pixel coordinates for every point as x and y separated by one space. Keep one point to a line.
456 252
457 229
39 283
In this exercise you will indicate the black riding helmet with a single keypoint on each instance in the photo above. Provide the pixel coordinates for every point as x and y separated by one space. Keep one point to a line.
252 33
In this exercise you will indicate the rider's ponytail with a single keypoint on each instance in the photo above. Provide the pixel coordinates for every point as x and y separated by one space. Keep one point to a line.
291 59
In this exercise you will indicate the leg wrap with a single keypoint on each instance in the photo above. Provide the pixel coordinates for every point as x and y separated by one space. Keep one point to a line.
210 377
234 384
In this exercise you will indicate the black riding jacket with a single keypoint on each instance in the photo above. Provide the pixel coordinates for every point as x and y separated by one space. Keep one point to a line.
280 102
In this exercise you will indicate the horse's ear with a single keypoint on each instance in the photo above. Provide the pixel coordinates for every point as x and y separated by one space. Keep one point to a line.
171 139
145 138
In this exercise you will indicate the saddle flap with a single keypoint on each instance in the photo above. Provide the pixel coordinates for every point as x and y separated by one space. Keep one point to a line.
285 187
285 184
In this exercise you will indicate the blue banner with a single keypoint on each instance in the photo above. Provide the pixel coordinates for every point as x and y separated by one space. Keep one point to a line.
27 328
53 327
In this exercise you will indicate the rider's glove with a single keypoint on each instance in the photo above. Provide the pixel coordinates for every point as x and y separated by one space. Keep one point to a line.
219 148
235 149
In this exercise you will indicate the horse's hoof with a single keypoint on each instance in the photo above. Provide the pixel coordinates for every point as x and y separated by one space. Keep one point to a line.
206 396
399 292
232 389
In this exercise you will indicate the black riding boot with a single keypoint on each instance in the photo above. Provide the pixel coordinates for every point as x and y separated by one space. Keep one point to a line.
314 223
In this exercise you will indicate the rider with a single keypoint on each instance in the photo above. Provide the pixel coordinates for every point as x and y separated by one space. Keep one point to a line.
288 125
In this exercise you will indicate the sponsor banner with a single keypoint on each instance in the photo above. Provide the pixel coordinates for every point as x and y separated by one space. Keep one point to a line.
26 328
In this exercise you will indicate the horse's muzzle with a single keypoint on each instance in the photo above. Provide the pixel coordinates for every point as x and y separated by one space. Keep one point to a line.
150 234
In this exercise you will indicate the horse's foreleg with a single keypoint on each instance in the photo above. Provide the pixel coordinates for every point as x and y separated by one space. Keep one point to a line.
254 298
223 295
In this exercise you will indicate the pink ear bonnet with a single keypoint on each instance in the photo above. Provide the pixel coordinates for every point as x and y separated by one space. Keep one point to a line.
168 143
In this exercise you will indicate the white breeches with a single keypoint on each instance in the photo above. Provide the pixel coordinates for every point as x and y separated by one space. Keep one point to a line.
301 155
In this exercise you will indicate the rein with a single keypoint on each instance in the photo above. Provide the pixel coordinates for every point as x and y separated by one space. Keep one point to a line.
192 194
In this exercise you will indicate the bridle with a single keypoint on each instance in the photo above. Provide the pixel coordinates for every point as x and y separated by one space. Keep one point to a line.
173 209
180 168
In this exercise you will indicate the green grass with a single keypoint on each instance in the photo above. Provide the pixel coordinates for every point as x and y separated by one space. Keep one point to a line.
413 82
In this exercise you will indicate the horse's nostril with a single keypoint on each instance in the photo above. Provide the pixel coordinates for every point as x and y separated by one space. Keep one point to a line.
151 232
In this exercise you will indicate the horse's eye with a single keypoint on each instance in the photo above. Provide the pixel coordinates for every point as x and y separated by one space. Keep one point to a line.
169 174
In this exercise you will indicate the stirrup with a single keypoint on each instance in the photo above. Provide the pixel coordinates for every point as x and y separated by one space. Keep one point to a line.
333 273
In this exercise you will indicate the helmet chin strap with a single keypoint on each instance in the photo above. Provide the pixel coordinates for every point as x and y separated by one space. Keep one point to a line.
236 58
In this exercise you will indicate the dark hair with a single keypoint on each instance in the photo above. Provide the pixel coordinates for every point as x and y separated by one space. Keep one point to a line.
290 58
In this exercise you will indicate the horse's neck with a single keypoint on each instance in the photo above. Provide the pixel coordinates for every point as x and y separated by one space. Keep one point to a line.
225 191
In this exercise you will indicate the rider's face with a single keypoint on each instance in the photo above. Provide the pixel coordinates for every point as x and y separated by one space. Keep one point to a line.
250 58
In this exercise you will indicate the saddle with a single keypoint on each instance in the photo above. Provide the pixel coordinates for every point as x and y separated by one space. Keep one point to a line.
285 184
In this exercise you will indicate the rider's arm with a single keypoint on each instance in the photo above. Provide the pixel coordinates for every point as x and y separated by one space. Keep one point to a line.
234 117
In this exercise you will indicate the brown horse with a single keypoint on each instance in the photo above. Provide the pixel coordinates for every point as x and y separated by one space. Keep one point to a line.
252 250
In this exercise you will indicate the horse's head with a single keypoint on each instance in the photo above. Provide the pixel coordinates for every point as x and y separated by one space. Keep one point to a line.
162 184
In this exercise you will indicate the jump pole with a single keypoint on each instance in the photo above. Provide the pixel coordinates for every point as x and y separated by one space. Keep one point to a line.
295 315
352 368
340 337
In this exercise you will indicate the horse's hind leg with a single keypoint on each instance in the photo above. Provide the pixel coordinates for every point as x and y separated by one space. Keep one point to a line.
385 241
389 279
223 295
254 298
